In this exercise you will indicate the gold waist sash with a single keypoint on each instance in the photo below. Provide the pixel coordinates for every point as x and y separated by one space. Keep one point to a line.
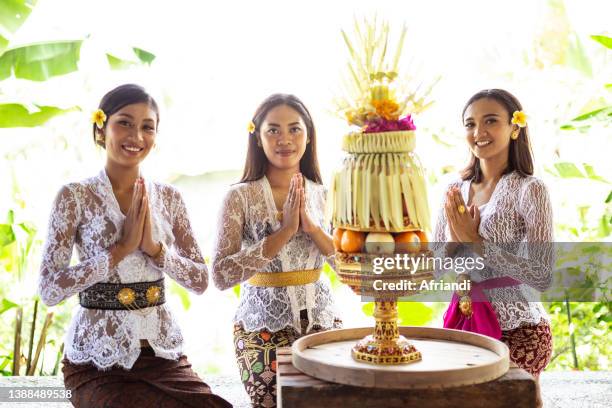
279 279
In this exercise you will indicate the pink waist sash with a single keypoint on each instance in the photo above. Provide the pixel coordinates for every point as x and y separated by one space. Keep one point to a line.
483 319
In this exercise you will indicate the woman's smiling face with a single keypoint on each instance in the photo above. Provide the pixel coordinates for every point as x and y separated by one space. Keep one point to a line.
130 134
283 137
488 129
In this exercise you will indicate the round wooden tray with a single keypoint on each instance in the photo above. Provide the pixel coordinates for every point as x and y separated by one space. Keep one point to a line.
450 358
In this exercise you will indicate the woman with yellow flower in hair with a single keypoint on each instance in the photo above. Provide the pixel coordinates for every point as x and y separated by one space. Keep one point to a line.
123 347
271 241
504 213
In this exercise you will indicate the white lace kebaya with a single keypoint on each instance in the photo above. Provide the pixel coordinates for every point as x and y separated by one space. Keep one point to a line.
87 214
247 217
516 218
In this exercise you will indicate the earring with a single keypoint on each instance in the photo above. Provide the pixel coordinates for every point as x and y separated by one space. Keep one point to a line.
307 140
515 134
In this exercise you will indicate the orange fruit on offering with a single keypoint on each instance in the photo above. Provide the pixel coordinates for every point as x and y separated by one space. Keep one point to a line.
407 242
424 241
338 233
352 241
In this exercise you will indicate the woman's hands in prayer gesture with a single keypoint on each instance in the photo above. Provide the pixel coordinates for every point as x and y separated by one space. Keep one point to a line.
463 221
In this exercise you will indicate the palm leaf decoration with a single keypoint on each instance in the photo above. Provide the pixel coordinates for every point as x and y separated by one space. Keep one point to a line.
373 75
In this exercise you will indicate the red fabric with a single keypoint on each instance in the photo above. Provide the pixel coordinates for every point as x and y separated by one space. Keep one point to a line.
530 346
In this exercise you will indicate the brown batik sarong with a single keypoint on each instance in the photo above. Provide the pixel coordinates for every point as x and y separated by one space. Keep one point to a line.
530 346
256 357
152 382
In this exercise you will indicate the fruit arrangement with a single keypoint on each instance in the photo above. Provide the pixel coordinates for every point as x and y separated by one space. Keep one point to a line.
379 243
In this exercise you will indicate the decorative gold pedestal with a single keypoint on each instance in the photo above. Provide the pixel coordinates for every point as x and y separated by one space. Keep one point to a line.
386 346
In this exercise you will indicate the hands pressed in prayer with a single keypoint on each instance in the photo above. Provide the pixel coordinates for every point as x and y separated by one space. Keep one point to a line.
463 221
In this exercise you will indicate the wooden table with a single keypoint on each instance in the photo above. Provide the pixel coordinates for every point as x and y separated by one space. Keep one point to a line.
516 389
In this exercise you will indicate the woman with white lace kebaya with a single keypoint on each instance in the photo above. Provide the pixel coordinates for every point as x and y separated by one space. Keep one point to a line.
123 347
271 241
504 212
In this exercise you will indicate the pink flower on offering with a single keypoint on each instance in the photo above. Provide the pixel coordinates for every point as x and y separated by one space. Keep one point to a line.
406 123
373 126
383 125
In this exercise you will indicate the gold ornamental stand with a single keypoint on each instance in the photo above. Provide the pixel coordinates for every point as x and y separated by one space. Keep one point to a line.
386 345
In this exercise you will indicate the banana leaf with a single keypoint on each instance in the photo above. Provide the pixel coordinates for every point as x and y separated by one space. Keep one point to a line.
39 62
14 115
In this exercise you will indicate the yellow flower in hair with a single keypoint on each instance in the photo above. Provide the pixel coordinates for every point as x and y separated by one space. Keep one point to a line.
251 128
98 117
519 118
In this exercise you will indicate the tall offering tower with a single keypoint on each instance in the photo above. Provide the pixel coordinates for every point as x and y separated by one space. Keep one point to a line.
378 199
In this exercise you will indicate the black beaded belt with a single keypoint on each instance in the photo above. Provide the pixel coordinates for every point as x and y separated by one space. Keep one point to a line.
122 296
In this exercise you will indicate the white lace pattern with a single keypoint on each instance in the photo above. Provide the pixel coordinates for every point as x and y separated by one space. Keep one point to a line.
86 214
517 216
247 217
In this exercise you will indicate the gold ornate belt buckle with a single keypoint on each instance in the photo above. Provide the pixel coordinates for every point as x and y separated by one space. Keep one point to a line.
153 294
126 296
465 301
465 306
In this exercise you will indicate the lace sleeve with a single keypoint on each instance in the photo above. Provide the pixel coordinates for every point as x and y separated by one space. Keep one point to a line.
439 233
230 264
331 260
58 280
438 242
326 224
534 270
183 262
